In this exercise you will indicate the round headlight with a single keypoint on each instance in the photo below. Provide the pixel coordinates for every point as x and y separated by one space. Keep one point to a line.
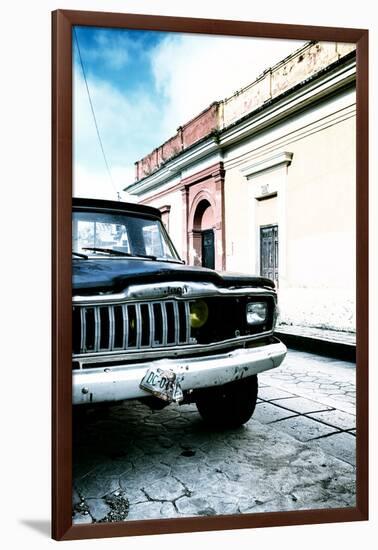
199 313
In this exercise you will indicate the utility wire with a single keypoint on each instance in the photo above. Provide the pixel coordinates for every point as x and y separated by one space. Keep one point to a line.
94 117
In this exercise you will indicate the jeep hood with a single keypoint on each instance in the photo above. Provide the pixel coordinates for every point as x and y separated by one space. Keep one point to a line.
114 275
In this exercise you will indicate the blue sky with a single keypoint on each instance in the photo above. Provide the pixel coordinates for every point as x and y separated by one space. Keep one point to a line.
143 85
107 53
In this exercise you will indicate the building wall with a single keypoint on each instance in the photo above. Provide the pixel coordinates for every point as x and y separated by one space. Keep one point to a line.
319 287
309 190
321 208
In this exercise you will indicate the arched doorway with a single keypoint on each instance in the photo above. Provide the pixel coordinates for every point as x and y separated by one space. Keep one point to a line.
203 222
203 234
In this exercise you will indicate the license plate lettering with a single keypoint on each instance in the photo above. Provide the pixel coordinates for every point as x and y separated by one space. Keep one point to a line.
151 379
163 384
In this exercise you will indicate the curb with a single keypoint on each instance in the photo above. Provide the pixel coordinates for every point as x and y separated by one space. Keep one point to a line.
337 350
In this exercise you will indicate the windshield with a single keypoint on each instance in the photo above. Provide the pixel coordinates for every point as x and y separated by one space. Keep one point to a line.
123 233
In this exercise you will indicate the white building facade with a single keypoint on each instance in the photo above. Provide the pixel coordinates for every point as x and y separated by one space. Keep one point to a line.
264 182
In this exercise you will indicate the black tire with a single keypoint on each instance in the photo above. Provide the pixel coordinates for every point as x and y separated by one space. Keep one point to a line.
228 406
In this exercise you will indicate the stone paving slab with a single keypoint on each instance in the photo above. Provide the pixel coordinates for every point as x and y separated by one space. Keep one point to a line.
98 508
93 486
269 412
341 445
336 418
152 510
268 392
303 428
301 405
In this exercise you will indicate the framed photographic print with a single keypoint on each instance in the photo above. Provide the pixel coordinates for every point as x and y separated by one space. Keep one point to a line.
210 274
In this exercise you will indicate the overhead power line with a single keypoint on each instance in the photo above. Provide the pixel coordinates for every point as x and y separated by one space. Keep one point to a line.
94 117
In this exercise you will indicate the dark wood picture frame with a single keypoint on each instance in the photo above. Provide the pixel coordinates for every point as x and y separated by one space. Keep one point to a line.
62 23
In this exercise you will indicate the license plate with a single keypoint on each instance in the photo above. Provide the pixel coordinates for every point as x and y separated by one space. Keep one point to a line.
164 384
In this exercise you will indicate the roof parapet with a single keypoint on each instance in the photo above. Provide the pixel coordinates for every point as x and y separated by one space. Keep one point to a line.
286 74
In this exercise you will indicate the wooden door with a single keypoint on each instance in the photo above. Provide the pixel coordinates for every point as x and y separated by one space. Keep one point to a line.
269 252
208 251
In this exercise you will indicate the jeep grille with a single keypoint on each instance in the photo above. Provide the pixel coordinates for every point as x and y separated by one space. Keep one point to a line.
130 326
160 324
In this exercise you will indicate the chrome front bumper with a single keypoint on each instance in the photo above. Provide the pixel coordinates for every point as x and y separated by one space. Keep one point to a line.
118 382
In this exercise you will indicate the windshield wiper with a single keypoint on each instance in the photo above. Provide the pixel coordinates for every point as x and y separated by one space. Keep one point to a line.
148 256
84 256
170 260
118 252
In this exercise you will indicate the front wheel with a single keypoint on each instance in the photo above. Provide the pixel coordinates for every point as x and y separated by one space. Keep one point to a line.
228 406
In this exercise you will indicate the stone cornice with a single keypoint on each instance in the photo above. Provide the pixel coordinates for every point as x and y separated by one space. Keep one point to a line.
284 158
300 97
215 170
175 166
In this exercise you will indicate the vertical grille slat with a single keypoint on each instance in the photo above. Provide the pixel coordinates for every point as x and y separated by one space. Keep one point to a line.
125 318
97 329
152 324
176 321
141 325
83 326
138 325
164 323
111 327
187 317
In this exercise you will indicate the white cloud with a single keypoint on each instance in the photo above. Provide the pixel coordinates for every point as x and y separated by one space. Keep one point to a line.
190 73
193 71
95 184
122 123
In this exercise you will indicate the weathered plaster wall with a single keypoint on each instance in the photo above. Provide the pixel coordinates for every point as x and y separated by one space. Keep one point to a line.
191 132
319 286
321 208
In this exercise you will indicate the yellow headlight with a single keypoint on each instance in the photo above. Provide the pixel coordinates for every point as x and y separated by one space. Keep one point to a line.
199 313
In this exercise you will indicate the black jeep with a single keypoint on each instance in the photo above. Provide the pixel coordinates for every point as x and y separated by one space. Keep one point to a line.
146 326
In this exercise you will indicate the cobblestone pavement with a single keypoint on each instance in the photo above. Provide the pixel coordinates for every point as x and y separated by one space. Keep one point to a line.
330 381
297 452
